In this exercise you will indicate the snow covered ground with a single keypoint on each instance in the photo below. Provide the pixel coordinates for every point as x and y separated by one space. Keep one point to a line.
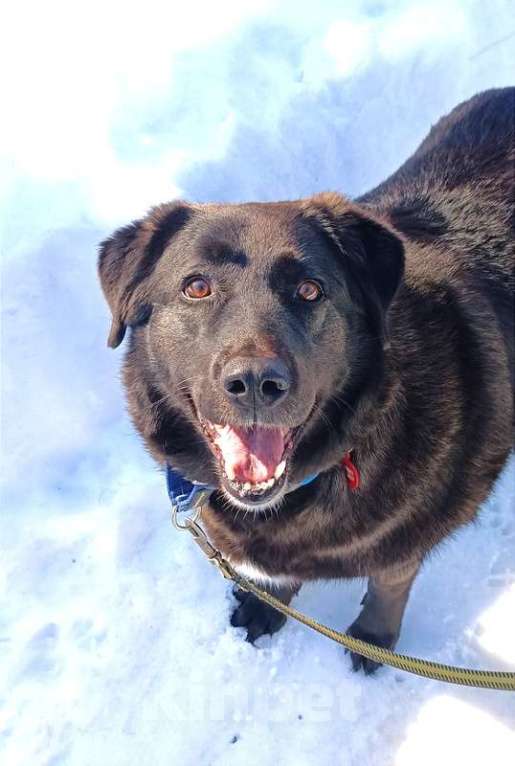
114 633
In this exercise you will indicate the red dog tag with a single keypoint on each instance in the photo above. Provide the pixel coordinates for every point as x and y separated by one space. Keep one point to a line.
351 472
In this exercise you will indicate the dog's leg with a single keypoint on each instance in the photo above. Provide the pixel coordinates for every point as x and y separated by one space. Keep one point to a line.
257 617
379 621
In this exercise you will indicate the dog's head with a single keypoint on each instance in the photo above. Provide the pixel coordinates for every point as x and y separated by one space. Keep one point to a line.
256 331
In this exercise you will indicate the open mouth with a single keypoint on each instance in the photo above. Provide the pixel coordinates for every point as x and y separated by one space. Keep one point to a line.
253 461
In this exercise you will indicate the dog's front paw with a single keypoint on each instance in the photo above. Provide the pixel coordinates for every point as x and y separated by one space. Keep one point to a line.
258 618
384 640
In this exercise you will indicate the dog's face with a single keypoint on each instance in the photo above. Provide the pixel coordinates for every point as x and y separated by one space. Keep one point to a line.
248 323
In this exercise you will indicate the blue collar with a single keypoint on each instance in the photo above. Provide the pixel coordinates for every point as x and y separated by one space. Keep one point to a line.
185 494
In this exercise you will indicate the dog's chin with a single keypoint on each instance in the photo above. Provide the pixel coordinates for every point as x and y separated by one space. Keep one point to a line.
256 499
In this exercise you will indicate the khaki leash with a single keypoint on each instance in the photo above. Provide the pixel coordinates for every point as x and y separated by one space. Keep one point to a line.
481 679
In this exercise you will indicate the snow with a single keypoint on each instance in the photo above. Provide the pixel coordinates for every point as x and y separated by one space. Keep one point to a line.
113 629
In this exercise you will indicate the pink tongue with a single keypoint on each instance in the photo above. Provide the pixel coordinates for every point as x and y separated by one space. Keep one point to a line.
250 454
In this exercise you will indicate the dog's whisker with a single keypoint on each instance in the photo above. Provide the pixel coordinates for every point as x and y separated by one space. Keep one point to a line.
318 409
341 400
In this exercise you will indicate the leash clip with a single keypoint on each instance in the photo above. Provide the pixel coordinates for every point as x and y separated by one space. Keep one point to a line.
187 520
185 495
191 524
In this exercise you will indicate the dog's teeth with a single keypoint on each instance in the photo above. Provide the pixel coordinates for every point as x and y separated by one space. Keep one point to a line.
249 488
280 469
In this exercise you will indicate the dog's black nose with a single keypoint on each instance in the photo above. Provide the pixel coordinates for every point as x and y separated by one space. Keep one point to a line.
250 381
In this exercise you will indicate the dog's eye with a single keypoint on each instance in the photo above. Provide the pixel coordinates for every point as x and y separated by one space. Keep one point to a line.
196 287
309 290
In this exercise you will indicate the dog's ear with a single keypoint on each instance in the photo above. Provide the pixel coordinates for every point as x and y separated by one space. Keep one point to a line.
373 252
128 257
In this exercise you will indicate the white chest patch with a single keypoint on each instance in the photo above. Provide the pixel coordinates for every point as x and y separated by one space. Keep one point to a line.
258 575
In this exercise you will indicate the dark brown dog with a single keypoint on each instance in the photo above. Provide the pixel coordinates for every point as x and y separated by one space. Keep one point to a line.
270 341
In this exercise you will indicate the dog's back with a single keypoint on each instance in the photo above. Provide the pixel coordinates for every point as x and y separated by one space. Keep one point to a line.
454 200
